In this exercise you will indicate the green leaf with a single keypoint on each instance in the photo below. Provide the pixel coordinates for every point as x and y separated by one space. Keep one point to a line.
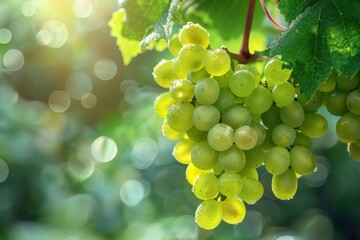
292 8
325 36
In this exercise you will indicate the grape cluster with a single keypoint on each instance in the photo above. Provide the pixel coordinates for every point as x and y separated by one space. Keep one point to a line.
341 96
229 120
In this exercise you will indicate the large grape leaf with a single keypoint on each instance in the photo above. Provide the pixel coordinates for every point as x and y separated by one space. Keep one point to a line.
292 8
325 36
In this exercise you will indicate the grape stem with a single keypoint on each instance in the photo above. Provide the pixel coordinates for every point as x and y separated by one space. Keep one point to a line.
272 20
244 56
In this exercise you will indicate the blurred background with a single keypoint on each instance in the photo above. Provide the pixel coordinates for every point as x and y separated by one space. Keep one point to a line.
82 156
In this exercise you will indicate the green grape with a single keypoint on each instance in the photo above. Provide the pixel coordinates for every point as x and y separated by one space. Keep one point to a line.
193 33
315 102
335 102
277 71
170 133
353 101
314 125
216 169
192 57
252 190
174 45
283 94
179 116
302 140
249 173
163 73
268 142
260 132
178 69
207 91
182 90
234 210
162 104
254 157
232 159
192 173
205 116
283 135
203 156
284 186
271 118
245 137
242 83
195 76
224 80
347 83
237 116
217 62
293 114
206 186
277 160
329 84
182 151
302 160
250 68
348 128
220 137
208 214
196 135
225 101
260 100
354 151
230 184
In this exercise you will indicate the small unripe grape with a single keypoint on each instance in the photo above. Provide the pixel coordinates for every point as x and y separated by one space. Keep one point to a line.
174 45
242 83
217 62
207 91
179 116
234 210
192 57
232 159
163 73
182 90
162 104
245 137
206 186
277 71
348 128
284 186
203 156
193 33
208 215
220 137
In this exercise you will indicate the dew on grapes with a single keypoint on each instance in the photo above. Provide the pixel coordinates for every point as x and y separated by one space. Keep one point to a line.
104 149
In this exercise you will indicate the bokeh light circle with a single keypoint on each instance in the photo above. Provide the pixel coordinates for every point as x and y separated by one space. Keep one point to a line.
5 36
104 149
13 60
4 171
88 100
28 9
79 209
132 192
53 34
59 101
105 69
78 84
82 8
81 166
144 153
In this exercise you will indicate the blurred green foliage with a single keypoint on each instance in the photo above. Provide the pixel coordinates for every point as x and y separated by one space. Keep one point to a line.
81 150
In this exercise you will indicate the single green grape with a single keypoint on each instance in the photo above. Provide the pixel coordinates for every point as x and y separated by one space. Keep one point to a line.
283 135
207 91
314 125
302 140
315 102
193 33
260 100
196 135
182 90
182 151
217 62
208 214
277 160
237 116
203 156
302 160
346 83
232 159
174 45
192 57
335 102
283 94
234 210
205 116
293 114
225 100
230 184
245 137
242 83
220 136
354 151
254 157
271 118
206 186
162 104
252 190
179 116
284 186
163 73
348 128
353 101
277 71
